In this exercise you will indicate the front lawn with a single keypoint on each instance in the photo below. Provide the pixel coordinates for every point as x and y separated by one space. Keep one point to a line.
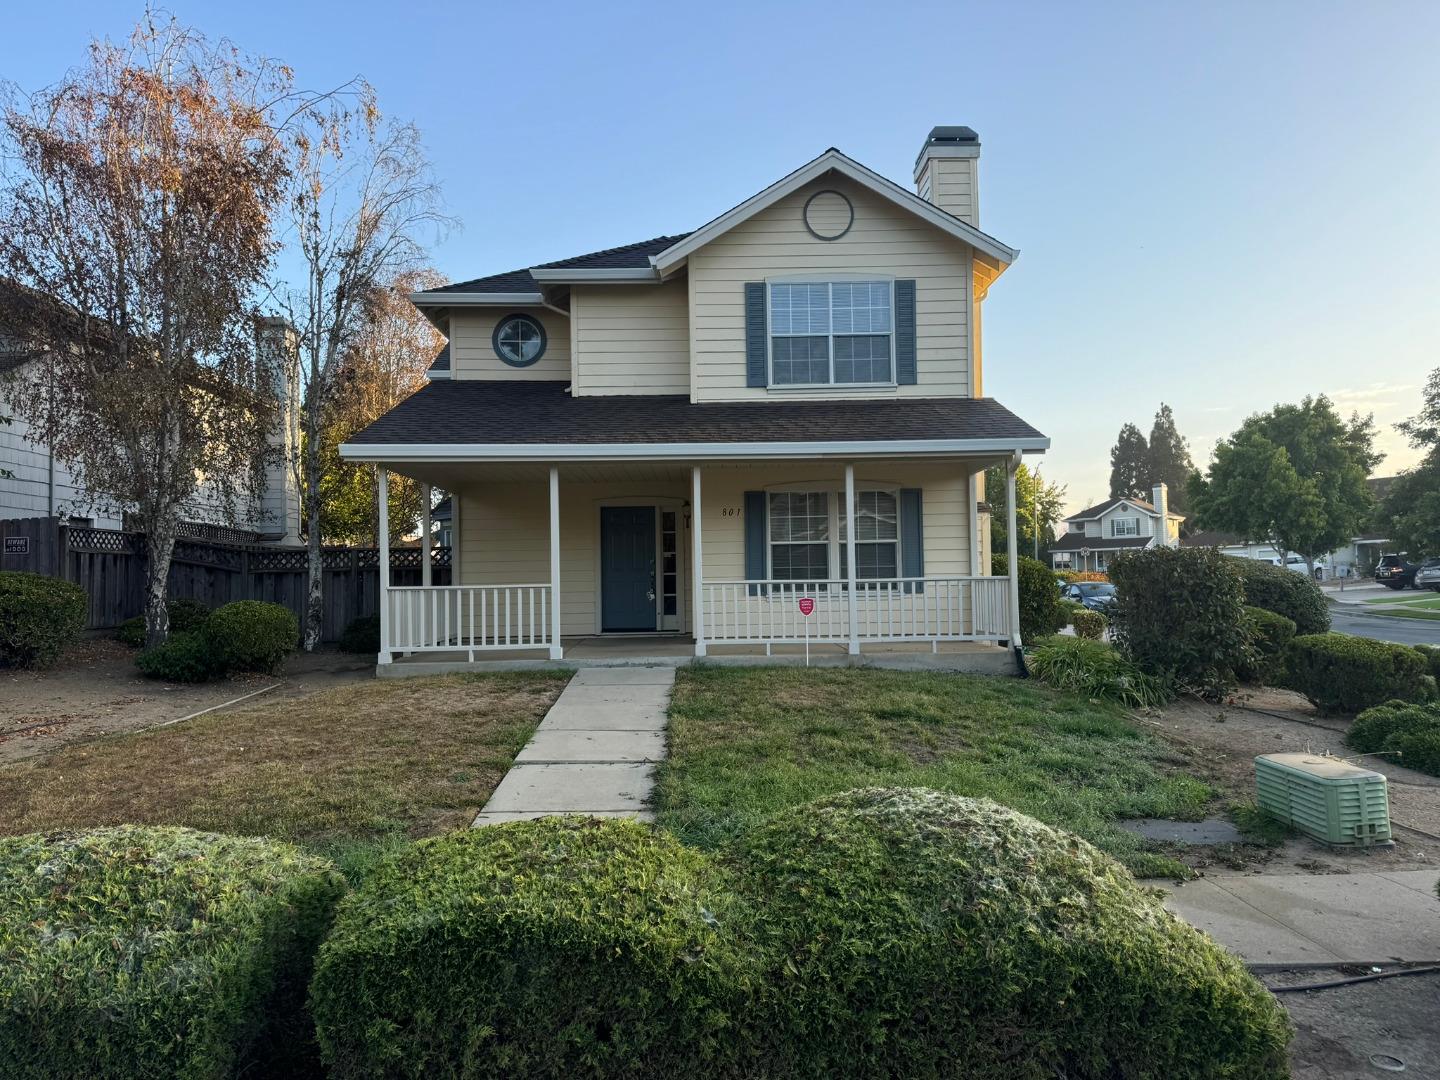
345 772
746 742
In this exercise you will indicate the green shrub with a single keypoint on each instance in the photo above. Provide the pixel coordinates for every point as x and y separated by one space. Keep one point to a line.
1419 749
135 952
913 933
1340 673
39 617
185 615
1089 624
1270 635
251 635
1431 653
1093 669
1179 615
1284 592
1040 611
551 948
1411 733
362 635
181 658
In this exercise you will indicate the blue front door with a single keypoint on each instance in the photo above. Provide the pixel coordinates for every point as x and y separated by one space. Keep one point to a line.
627 568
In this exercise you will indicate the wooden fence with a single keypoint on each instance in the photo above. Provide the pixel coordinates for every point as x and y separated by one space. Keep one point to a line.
110 566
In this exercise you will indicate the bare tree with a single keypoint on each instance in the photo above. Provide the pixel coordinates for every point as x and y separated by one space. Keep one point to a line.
362 199
136 219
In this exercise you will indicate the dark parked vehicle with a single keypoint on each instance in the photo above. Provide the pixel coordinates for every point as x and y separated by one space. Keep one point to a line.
1095 595
1428 576
1395 571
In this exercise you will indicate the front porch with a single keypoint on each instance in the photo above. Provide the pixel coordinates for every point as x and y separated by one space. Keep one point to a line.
664 562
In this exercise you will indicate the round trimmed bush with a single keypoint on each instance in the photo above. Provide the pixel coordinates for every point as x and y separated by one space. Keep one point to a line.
251 635
1342 673
181 658
913 933
135 952
1284 592
362 635
1040 611
185 616
1089 624
39 617
1270 635
550 948
1412 732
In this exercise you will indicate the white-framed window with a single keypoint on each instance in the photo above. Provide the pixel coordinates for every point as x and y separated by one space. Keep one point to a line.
808 530
1125 526
832 333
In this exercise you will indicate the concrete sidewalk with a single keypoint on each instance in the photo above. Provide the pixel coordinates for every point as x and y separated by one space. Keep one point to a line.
1314 918
594 752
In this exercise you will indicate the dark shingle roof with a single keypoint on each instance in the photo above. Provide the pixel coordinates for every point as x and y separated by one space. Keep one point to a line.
1100 508
538 413
626 257
1074 541
442 360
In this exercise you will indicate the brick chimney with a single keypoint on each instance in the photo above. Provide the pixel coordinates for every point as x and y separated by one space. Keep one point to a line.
1160 497
947 172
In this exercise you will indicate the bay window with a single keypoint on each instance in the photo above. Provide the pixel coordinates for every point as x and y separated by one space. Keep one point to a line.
831 332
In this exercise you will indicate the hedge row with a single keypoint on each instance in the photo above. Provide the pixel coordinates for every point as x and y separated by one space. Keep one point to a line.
1270 636
247 635
1284 592
1410 732
184 615
1341 673
39 617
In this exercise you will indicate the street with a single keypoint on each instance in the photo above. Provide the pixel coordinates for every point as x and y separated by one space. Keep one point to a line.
1384 628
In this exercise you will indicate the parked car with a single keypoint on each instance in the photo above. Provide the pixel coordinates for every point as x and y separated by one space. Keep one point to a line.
1395 571
1428 576
1095 595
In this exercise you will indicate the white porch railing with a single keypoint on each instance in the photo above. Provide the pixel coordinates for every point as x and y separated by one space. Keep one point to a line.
469 618
929 609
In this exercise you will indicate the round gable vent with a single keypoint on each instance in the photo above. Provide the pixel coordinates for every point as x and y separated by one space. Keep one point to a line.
828 215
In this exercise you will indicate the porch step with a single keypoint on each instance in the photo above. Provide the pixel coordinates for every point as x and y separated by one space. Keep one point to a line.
595 751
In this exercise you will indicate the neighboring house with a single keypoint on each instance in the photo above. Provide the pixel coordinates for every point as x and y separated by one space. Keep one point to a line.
43 485
667 436
1096 534
442 523
1355 559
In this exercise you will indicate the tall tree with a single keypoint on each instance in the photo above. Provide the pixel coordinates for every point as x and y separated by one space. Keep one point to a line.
1167 460
1410 515
1038 507
382 365
138 208
363 198
1294 477
1129 464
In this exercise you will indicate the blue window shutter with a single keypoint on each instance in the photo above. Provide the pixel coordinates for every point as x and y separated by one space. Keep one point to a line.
755 533
912 535
905 332
755 374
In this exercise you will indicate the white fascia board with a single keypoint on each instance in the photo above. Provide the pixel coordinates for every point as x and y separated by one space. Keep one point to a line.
626 274
833 159
433 375
758 451
476 299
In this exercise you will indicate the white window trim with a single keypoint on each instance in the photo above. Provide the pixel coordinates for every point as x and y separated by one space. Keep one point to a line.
826 280
1115 526
833 541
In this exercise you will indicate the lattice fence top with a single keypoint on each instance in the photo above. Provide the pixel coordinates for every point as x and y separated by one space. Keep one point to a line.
258 558
221 534
87 539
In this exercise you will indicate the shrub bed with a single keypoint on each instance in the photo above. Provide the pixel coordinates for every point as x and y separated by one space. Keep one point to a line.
1341 673
1270 635
1179 615
185 616
552 948
362 635
1284 592
181 658
879 932
1089 624
1412 731
250 635
1040 611
156 952
1093 669
39 617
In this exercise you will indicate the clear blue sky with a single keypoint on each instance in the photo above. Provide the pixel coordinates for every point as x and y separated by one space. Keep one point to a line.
1219 205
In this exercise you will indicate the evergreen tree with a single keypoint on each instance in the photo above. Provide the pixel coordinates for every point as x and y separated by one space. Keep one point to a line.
1129 463
1168 460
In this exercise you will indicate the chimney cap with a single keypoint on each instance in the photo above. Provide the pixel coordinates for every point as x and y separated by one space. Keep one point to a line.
953 140
955 133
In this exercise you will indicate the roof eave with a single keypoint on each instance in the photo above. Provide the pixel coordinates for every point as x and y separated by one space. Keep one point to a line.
627 275
474 299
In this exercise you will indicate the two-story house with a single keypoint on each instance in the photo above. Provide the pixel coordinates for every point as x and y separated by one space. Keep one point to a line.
769 430
1096 534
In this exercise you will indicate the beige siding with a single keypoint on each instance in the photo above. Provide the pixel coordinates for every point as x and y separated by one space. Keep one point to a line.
953 187
472 356
884 240
631 339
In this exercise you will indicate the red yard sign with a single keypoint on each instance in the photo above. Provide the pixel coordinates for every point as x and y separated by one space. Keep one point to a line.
807 605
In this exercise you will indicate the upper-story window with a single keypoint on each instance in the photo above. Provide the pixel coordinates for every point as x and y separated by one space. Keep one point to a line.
1125 526
831 332
519 340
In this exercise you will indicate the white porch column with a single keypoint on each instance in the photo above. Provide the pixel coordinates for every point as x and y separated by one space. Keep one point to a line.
557 651
1012 556
426 574
382 481
697 563
852 597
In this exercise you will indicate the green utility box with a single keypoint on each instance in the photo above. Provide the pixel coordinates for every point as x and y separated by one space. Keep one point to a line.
1325 797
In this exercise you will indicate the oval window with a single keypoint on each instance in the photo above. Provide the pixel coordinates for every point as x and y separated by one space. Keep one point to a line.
519 340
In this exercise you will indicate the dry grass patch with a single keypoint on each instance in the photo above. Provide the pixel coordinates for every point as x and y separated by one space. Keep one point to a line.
368 764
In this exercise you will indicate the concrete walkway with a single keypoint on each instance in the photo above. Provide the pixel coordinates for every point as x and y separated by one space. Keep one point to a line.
595 751
1315 918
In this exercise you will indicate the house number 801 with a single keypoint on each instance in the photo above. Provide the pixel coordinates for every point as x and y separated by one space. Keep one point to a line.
730 511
